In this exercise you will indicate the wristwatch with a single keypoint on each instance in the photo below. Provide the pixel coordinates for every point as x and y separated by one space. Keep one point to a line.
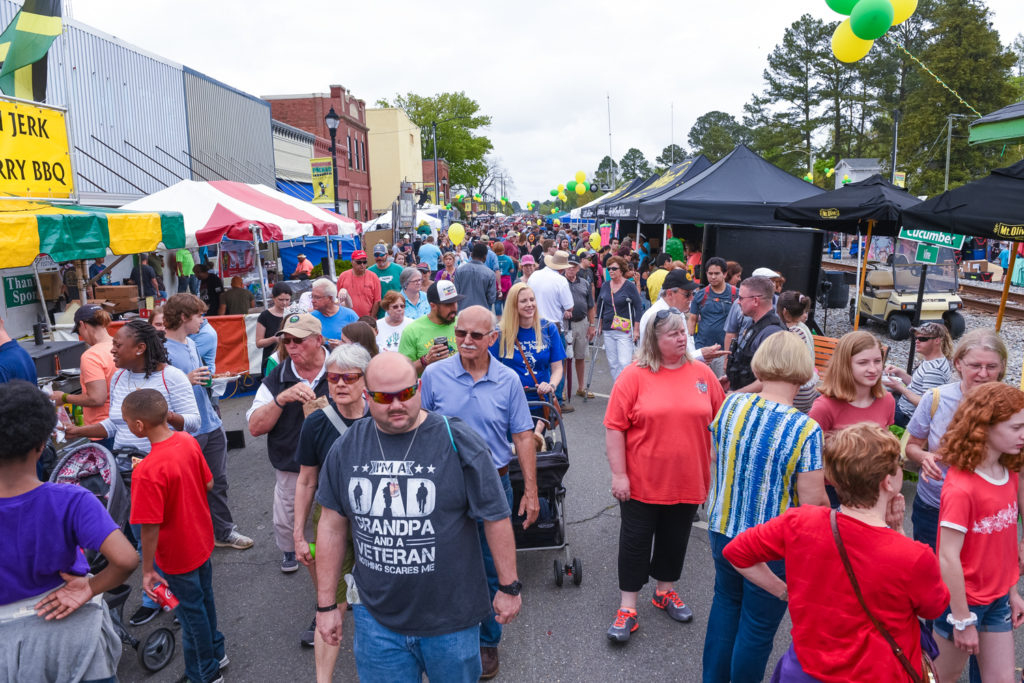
328 608
961 624
513 588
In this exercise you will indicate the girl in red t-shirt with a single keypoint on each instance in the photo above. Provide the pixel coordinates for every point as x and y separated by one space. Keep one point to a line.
978 533
852 390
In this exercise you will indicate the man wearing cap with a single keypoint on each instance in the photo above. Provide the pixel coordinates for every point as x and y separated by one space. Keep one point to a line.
475 281
582 328
431 338
278 411
755 299
302 269
429 253
363 286
677 292
386 271
332 316
491 260
488 395
655 279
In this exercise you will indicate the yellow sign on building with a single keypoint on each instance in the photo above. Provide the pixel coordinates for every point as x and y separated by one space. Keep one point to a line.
322 171
34 158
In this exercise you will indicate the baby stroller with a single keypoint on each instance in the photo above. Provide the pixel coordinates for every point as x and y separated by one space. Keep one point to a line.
93 467
548 532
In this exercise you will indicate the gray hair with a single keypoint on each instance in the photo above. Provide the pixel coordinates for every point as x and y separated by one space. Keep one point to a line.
408 275
325 286
349 356
649 353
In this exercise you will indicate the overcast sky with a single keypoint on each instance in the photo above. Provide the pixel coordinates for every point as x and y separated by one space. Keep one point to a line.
541 70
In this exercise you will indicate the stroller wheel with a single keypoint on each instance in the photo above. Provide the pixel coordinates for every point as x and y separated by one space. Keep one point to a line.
577 571
559 574
157 650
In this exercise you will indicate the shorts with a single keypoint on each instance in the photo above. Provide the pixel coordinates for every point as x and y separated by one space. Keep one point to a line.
992 618
576 339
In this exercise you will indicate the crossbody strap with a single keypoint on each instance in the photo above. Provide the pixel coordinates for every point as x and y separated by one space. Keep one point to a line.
334 418
896 649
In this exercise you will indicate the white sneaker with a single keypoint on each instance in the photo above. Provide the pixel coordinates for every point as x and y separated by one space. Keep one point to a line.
235 540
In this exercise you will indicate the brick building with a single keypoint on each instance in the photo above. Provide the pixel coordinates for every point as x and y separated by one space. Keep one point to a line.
307 113
428 179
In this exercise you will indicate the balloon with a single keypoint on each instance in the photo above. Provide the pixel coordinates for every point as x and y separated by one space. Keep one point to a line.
554 193
556 223
848 47
456 233
595 240
902 10
808 178
540 222
842 6
581 189
562 197
581 177
561 187
571 186
554 211
846 177
870 19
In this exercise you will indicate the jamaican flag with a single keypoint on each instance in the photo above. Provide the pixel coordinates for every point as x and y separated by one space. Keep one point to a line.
23 47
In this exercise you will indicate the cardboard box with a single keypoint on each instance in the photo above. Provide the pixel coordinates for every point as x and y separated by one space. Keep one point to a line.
983 267
116 292
52 285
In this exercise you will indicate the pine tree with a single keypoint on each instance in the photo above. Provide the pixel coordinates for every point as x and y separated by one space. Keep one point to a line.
672 154
634 165
607 173
715 134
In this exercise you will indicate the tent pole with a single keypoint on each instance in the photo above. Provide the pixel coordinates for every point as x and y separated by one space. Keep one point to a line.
1007 276
862 266
330 259
259 264
41 294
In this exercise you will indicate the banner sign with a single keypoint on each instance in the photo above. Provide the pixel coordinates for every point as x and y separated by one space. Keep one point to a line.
34 158
322 171
20 290
939 239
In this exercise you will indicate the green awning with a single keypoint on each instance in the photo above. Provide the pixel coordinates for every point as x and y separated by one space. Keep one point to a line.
1000 126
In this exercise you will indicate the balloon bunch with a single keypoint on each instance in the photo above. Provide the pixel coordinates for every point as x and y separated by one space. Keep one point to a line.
578 185
478 197
504 201
869 20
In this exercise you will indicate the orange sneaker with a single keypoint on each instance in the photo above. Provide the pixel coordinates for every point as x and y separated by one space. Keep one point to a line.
625 623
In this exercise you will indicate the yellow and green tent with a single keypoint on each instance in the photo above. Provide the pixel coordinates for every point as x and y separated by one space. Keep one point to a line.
68 232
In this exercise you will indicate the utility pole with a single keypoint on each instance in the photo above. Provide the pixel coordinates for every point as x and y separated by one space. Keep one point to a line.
672 131
611 159
949 144
895 143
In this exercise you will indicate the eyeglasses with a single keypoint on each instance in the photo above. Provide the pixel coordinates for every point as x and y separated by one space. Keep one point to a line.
361 261
346 377
978 366
477 336
292 341
752 296
388 397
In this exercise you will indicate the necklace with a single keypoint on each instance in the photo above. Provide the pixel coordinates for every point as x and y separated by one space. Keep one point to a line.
376 431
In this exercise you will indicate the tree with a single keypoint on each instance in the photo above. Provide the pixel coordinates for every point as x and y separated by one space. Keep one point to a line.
672 154
777 141
607 173
456 142
634 165
715 133
1018 53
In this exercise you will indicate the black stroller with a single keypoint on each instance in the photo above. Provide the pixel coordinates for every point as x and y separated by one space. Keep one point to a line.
548 532
95 468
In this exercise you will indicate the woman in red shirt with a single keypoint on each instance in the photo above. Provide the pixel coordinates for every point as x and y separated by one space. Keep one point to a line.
852 390
978 533
659 450
834 640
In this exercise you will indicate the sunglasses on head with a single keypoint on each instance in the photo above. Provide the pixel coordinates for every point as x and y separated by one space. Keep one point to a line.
346 377
388 397
661 315
477 336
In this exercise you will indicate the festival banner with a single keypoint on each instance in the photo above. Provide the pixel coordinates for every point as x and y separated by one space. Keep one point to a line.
34 158
322 171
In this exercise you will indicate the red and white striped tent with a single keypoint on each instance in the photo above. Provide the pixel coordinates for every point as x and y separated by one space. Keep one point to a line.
220 209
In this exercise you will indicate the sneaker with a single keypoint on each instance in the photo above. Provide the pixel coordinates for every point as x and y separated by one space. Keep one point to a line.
566 408
289 564
673 605
144 615
235 540
308 636
224 661
625 623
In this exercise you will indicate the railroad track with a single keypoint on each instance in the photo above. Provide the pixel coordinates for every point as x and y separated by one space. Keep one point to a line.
975 298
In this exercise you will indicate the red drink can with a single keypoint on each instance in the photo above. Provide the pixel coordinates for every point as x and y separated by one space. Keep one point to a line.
164 597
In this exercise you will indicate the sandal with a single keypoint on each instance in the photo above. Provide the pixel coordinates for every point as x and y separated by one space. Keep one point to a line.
585 394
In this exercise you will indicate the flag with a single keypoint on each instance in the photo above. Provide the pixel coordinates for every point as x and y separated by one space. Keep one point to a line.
23 47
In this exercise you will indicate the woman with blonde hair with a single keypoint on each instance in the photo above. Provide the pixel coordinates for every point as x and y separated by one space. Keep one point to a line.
934 346
852 391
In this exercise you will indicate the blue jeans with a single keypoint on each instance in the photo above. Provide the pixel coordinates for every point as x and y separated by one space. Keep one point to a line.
136 538
383 656
202 643
742 623
490 630
925 520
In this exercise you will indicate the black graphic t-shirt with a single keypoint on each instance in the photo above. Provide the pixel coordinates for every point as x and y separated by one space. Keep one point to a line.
419 567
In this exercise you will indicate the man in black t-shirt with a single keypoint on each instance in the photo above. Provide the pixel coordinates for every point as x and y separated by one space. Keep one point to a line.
145 275
755 300
210 288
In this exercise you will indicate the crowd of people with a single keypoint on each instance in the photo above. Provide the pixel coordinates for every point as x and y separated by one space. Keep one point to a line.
395 399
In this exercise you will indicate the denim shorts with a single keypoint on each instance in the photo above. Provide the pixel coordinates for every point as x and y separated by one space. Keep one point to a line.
992 618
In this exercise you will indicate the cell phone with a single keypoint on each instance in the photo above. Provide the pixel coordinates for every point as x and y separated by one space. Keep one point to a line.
440 341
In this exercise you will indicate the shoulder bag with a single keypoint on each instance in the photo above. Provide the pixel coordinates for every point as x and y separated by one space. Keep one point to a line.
926 662
619 322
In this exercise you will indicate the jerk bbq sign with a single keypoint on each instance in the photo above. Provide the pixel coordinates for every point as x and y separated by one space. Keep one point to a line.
34 159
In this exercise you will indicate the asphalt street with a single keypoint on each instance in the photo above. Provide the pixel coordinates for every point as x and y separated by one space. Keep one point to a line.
558 636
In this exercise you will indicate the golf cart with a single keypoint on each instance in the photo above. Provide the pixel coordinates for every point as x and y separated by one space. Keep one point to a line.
890 294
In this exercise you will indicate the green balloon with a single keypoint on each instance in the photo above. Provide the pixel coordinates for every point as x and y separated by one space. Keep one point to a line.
841 6
870 19
554 193
571 186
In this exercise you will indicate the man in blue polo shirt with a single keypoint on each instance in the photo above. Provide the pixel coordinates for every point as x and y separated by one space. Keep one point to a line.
475 387
15 363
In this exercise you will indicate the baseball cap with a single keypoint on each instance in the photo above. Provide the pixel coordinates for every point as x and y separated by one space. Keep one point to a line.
765 272
443 292
574 260
423 267
84 313
300 325
676 279
358 254
922 330
527 260
380 250
302 256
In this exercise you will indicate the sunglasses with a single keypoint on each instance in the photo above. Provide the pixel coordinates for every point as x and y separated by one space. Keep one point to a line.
661 315
346 377
477 336
611 268
290 341
924 339
388 397
361 261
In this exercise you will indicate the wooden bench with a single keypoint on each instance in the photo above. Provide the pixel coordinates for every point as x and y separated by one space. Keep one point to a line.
824 347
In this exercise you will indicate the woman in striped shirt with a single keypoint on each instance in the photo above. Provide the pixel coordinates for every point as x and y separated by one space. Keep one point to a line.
935 347
768 459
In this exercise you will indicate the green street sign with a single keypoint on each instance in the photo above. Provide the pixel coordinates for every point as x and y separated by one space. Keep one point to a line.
939 239
20 290
927 253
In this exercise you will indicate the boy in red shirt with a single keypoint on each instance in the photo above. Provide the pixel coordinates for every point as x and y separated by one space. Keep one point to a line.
169 500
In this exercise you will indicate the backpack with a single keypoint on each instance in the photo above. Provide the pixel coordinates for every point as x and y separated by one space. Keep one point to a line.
733 293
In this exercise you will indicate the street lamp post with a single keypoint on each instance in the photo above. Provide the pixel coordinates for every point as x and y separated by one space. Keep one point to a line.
333 120
433 134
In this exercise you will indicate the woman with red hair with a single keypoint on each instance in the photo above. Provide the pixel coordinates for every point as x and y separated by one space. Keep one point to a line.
978 533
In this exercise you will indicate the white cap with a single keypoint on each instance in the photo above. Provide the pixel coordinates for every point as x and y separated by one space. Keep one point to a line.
765 272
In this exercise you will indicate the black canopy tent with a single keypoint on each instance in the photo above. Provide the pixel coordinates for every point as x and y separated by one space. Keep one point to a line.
627 207
992 207
590 211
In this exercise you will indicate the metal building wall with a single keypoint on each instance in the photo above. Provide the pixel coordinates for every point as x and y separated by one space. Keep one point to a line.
116 96
229 132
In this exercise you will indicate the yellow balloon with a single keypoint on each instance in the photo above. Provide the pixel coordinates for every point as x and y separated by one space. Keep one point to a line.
581 177
556 222
846 46
595 240
902 10
540 222
456 233
561 196
560 188
554 211
581 189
